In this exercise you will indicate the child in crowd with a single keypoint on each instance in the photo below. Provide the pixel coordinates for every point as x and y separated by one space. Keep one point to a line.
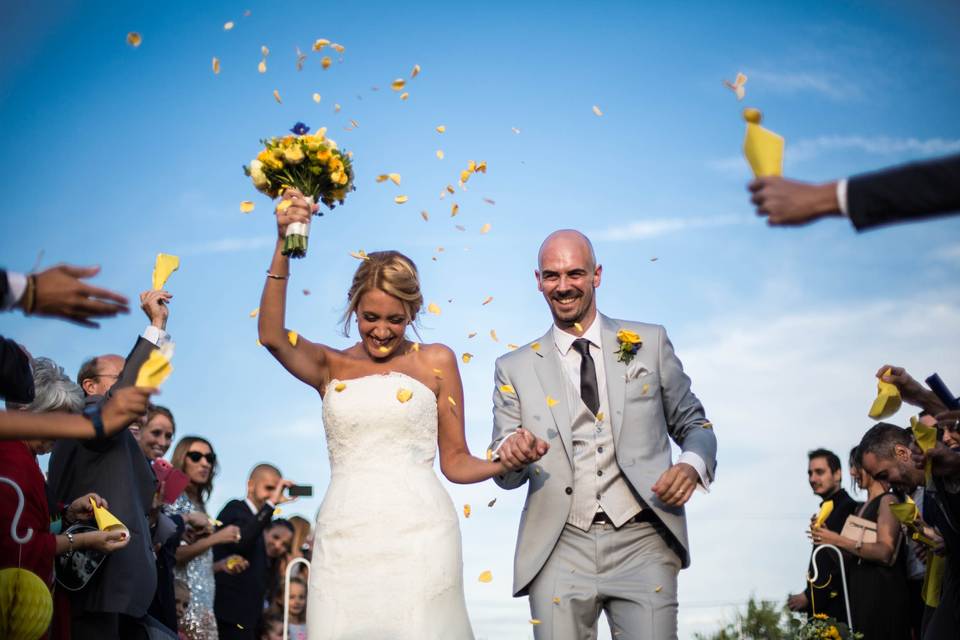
297 607
271 627
181 599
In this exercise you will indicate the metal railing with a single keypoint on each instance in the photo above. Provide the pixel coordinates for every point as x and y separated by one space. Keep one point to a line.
286 591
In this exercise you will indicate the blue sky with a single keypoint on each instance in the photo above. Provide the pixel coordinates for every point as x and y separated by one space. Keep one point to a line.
113 154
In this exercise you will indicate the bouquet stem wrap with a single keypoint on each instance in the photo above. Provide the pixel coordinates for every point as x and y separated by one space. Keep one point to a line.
297 237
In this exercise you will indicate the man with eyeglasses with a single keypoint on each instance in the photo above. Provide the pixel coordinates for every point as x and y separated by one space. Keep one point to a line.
114 604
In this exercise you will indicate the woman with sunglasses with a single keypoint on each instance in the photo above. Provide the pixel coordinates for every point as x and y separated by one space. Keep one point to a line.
195 457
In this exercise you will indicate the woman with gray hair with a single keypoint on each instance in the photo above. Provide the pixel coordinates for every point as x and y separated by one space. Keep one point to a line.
32 545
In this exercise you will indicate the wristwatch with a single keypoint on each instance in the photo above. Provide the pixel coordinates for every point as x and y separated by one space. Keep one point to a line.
70 539
94 415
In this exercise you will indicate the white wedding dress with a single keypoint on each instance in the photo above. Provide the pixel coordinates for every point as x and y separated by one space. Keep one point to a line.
387 562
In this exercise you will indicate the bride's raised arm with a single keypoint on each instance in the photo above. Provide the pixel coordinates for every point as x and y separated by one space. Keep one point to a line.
305 360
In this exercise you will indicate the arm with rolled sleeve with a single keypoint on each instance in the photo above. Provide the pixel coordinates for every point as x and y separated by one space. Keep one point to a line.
686 423
506 420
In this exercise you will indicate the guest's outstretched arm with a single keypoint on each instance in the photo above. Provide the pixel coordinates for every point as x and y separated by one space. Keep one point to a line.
305 360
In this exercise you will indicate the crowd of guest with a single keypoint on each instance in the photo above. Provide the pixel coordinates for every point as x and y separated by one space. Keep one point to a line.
897 576
164 567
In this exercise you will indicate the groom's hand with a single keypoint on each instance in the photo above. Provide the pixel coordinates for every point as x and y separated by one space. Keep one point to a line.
677 484
521 448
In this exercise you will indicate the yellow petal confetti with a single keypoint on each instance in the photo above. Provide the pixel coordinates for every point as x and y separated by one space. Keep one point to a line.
534 621
336 108
466 511
360 255
658 589
454 210
246 206
646 387
383 350
284 205
485 228
276 96
293 337
155 370
320 43
264 50
317 98
400 199
415 72
433 308
425 215
437 372
535 346
550 401
259 344
134 39
493 334
512 346
600 417
163 266
486 576
404 95
253 314
439 154
228 25
506 388
398 84
394 178
490 457
707 425
471 334
578 327
888 400
216 64
382 177
262 67
737 86
556 601
450 189
441 128
596 111
487 301
339 48
339 387
326 62
415 346
276 514
404 394
451 401
466 357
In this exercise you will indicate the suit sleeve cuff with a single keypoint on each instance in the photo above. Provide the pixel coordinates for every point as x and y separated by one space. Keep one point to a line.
17 284
695 461
157 336
842 197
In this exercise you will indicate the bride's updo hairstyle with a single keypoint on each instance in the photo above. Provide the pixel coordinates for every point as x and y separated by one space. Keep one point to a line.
391 272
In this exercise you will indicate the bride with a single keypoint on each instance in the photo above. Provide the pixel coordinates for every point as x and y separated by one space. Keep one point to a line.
386 556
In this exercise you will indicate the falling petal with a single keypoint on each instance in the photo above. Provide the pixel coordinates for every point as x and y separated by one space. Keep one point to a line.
512 346
515 130
398 84
400 199
394 178
228 25
454 209
317 98
320 43
506 388
264 50
550 401
556 601
460 227
134 39
646 387
339 48
578 327
487 300
490 457
492 502
433 308
658 589
339 387
293 337
262 67
466 357
450 189
336 108
466 511
383 350
441 250
534 621
404 95
486 576
535 346
253 314
600 417
493 334
472 334
325 62
404 394
451 401
246 206
360 255
276 96
306 292
216 64
596 111
489 201
441 128
485 228
440 154
415 72
415 346
425 215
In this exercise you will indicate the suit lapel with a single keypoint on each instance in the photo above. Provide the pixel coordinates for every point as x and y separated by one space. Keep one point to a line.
615 372
551 380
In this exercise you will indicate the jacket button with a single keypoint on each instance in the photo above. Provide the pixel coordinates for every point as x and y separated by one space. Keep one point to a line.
568 490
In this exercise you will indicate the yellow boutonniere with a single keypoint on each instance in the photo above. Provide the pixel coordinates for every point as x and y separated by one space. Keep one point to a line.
630 343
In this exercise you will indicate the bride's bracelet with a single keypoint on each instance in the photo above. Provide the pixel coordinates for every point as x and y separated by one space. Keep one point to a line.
276 277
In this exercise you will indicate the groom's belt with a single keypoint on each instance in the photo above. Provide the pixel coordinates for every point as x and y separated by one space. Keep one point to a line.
645 515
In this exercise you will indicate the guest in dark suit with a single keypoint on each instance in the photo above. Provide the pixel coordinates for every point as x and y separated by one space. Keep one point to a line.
113 605
903 193
825 476
239 595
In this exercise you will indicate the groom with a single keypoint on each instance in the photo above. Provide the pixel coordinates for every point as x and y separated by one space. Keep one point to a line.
603 527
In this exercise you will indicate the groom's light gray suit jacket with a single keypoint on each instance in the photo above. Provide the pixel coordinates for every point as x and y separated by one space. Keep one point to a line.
649 399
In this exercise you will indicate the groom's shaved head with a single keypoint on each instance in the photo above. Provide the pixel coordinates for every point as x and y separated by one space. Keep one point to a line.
567 240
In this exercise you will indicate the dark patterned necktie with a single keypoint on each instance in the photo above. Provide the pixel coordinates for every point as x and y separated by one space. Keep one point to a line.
588 376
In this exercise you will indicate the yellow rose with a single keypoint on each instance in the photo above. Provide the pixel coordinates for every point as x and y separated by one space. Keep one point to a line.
343 178
268 160
323 155
293 155
629 337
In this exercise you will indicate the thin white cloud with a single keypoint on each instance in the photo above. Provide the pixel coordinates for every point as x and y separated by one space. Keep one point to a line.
653 227
826 84
230 245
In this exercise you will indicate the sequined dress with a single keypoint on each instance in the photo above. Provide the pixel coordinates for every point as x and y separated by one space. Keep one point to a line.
387 561
199 620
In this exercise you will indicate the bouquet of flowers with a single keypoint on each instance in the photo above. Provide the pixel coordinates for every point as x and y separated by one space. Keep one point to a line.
311 163
822 627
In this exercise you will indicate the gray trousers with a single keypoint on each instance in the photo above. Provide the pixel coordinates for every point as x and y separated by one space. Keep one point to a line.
628 573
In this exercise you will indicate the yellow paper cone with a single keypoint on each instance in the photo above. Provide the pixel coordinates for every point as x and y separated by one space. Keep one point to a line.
762 147
26 606
926 437
888 400
106 521
933 579
825 510
905 512
162 268
155 370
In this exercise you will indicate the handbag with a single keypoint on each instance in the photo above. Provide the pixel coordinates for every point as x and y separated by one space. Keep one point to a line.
860 530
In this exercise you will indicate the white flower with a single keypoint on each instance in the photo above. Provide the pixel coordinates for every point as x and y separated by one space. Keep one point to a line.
256 174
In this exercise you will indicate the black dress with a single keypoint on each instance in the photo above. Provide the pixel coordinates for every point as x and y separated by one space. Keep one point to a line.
879 596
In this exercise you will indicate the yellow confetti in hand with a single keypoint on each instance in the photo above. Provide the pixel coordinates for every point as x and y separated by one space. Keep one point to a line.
164 265
466 511
596 111
551 402
134 39
466 357
404 394
433 308
246 206
276 96
216 65
486 576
